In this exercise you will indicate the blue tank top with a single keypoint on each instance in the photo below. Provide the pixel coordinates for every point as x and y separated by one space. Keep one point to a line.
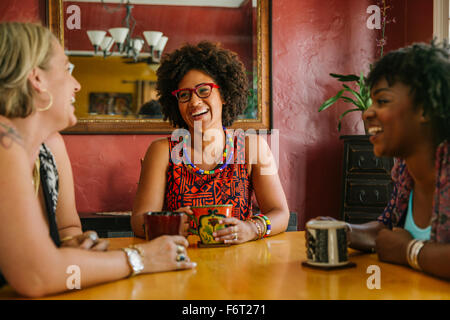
411 227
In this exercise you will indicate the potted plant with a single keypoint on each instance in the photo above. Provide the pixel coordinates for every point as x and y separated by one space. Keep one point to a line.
361 99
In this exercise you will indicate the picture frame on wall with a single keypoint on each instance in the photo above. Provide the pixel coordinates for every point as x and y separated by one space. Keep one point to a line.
110 103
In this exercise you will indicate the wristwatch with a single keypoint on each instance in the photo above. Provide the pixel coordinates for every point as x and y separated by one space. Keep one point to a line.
134 260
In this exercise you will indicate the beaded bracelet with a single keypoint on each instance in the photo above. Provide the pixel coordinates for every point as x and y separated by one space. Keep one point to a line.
264 224
268 224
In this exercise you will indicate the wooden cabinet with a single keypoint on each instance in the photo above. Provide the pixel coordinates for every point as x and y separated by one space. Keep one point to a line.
107 226
366 183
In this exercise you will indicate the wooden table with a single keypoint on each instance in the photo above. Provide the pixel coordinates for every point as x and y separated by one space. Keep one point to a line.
263 270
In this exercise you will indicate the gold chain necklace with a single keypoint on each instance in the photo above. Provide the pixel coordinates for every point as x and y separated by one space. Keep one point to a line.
36 175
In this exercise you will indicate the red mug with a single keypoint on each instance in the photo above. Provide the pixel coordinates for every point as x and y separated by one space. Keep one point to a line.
158 223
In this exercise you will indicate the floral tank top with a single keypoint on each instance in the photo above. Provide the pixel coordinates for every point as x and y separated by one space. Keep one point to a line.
395 213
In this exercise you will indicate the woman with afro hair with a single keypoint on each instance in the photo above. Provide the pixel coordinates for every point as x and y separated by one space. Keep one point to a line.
409 119
202 89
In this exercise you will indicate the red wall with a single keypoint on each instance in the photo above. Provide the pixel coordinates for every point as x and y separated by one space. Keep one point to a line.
24 10
419 21
309 41
106 169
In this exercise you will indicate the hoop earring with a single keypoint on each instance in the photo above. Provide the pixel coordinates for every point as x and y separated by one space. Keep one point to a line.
49 104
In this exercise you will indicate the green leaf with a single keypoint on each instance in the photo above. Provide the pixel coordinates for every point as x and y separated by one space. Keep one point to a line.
345 78
361 79
357 95
342 115
331 101
349 100
347 112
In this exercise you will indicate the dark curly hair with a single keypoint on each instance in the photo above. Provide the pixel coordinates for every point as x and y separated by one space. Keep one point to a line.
220 64
425 68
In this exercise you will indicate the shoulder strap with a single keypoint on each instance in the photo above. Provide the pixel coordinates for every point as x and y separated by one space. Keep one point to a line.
47 165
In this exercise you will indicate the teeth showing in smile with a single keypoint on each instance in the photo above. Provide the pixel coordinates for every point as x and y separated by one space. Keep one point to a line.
374 130
72 100
200 112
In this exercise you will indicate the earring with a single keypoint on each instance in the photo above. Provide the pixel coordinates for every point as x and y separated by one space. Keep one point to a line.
50 102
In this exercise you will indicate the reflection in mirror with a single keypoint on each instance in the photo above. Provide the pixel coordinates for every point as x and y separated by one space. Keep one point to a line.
117 73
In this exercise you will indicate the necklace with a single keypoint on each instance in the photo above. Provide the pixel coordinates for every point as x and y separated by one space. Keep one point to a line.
227 156
36 175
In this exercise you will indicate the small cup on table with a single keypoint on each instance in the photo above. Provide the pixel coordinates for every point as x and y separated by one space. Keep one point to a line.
158 223
326 243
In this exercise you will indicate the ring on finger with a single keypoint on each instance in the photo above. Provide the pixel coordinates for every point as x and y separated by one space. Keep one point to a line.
235 236
180 257
180 249
67 238
93 236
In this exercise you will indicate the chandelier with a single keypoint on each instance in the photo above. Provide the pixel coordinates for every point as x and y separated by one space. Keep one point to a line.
121 39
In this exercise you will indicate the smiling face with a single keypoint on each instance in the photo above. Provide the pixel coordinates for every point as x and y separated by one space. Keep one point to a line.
62 86
395 126
206 110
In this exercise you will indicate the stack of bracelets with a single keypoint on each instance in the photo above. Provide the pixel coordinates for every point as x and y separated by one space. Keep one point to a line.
265 222
412 253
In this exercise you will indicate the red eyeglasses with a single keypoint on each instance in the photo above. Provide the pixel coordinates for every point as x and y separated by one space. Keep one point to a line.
202 90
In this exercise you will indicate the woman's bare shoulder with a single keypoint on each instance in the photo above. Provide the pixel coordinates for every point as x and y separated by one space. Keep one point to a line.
158 146
157 151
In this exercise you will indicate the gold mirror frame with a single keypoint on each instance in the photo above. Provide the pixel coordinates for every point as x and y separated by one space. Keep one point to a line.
55 21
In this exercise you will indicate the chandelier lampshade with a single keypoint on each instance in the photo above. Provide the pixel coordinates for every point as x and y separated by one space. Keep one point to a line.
128 45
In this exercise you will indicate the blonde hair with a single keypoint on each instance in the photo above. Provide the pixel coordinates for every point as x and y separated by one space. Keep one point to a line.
23 47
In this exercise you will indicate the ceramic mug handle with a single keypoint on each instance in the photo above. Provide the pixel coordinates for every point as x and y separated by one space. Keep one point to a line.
192 217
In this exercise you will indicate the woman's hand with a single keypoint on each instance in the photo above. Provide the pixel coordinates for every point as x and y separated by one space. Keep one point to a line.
185 221
238 231
165 253
88 240
391 245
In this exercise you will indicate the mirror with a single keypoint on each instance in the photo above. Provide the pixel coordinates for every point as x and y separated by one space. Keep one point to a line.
118 93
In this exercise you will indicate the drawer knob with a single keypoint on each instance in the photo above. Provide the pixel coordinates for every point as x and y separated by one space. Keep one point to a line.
362 193
361 161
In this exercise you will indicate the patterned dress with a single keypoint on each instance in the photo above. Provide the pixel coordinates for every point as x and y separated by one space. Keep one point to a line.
394 214
232 185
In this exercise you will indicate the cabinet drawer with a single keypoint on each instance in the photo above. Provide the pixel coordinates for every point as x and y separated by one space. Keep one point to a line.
364 193
361 217
360 159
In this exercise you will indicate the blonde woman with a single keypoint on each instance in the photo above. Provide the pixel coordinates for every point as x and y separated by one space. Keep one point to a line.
37 211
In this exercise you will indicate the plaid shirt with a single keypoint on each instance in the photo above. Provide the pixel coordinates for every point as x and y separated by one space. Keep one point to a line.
395 212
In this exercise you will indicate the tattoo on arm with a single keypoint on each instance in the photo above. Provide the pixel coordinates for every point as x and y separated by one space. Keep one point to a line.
8 135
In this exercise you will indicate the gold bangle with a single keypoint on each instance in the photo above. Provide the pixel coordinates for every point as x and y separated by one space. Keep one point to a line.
264 224
258 229
408 252
263 232
415 255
